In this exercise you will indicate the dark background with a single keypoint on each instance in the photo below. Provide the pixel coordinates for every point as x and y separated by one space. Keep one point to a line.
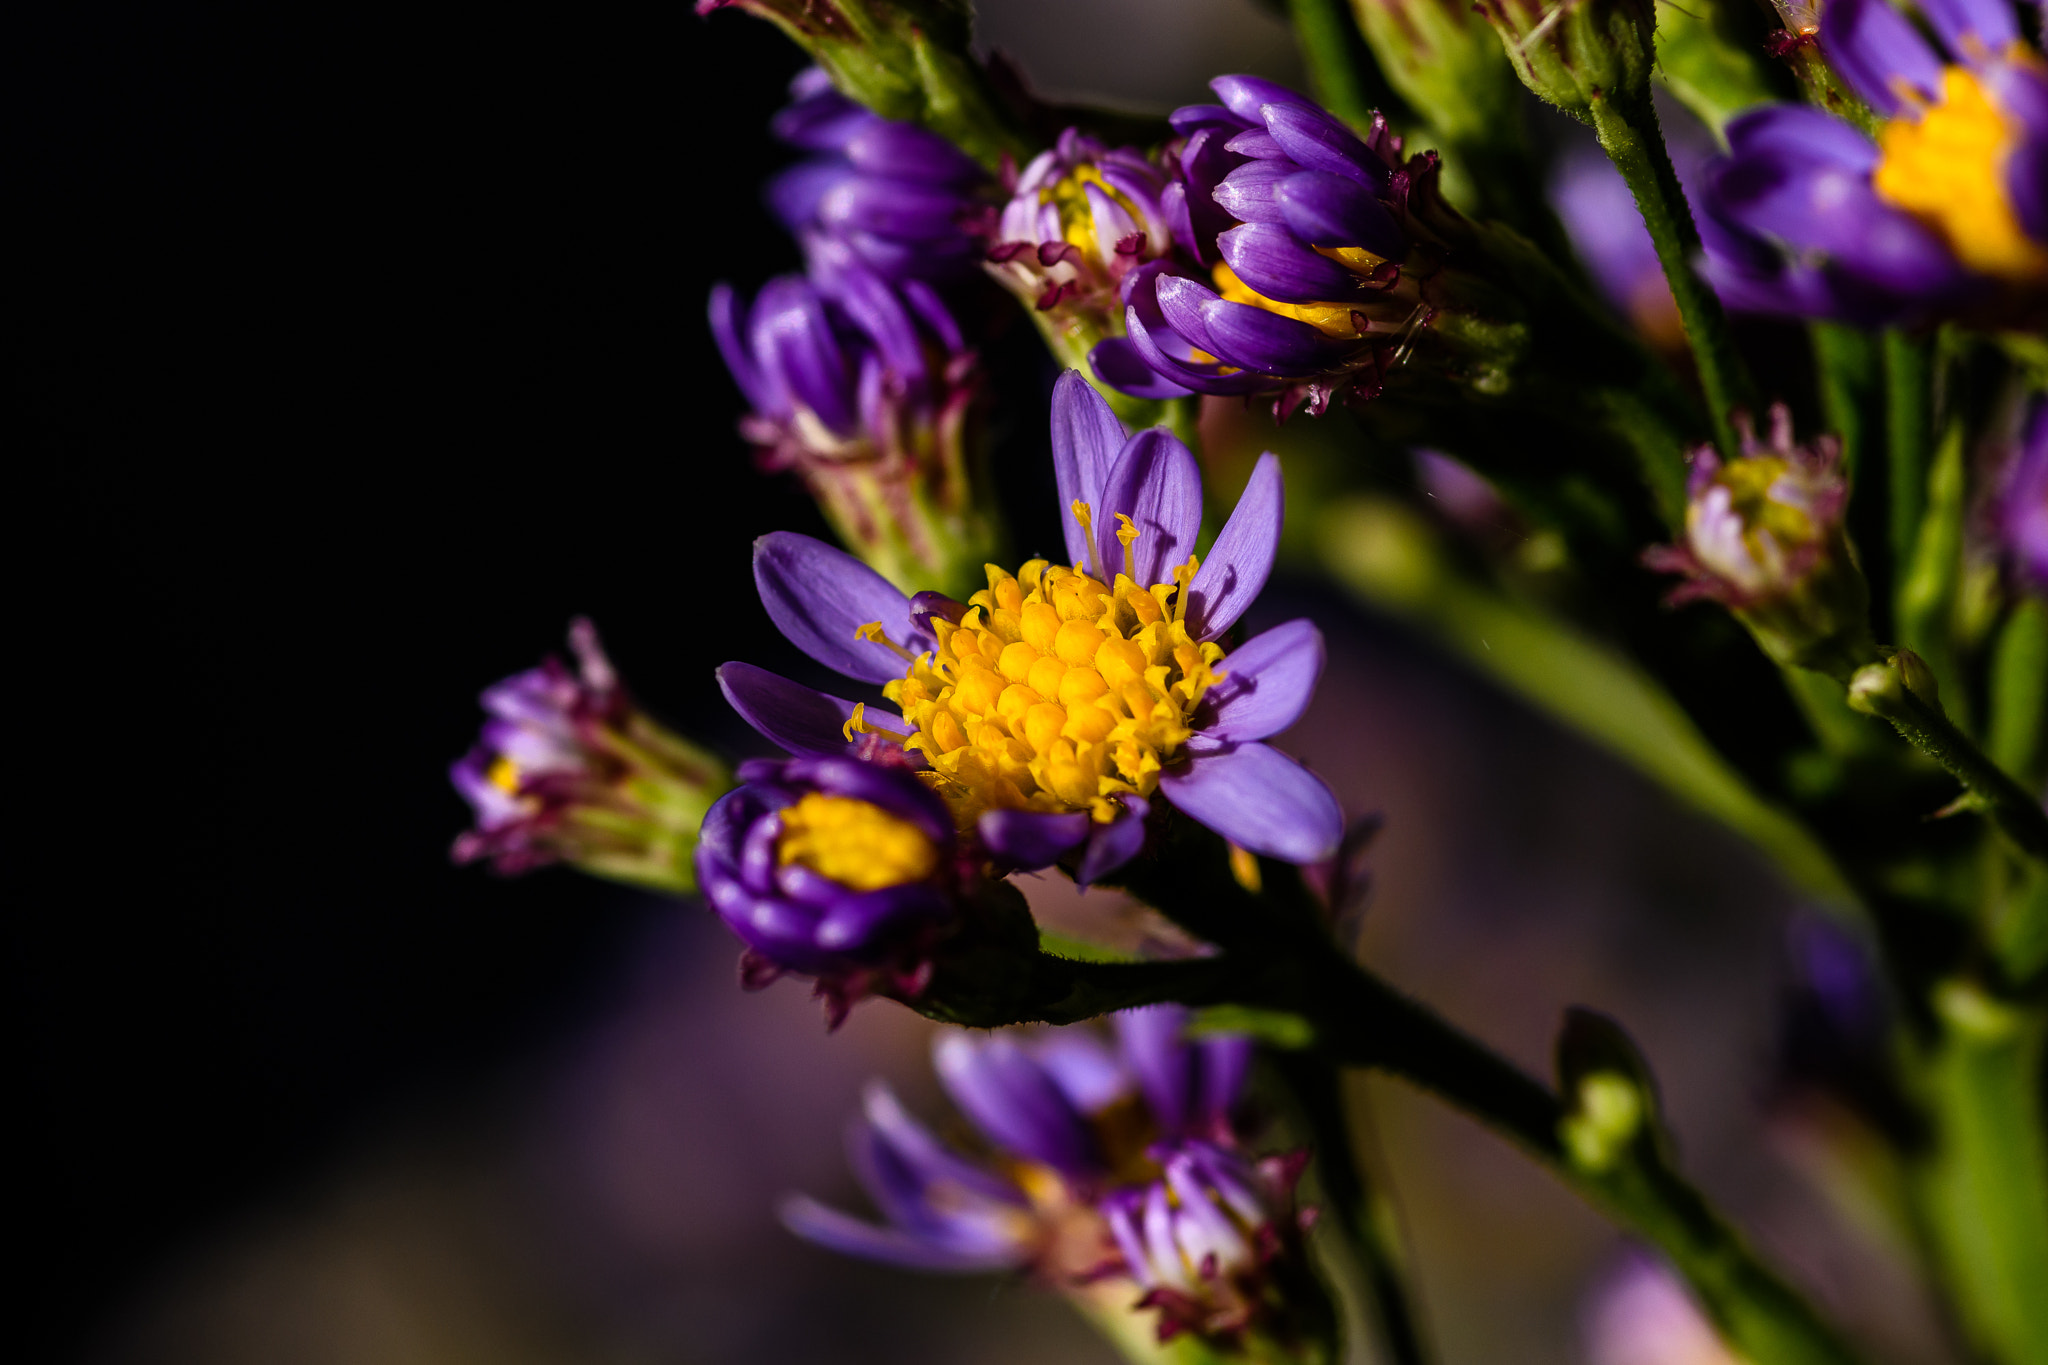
360 350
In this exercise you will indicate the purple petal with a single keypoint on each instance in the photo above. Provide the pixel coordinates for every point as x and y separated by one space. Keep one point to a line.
1267 684
1182 302
1259 799
862 921
1153 1048
1204 162
1241 560
728 322
819 597
1317 142
1028 840
1871 45
1269 258
1112 845
1247 192
1012 1099
2022 91
915 1146
1972 25
797 718
1087 1073
1258 340
794 195
1190 117
1244 95
1330 210
1222 1063
890 208
842 1232
1086 438
1801 133
1119 363
800 353
1157 484
907 152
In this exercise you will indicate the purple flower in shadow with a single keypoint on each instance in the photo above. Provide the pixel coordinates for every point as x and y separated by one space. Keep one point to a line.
1050 708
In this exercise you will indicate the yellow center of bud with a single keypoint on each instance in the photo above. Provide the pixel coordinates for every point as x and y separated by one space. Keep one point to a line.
1338 320
1945 164
1057 691
1077 215
855 843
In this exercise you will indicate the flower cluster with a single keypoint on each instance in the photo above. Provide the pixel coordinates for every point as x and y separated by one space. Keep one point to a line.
1117 1175
568 769
1943 213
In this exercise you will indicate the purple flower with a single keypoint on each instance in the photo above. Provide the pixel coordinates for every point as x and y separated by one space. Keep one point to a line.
1944 213
1081 217
1764 535
1055 703
1306 234
1640 1314
901 200
1111 1171
2023 505
870 394
569 770
835 868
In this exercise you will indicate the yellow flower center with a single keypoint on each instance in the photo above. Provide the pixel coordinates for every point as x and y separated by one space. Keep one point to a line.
1945 164
856 843
504 775
1332 319
1057 691
1077 215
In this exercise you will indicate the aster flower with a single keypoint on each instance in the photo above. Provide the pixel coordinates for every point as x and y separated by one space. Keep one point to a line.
568 769
1324 252
1081 217
1593 202
1053 705
869 393
891 195
834 868
1944 213
1105 1172
1764 535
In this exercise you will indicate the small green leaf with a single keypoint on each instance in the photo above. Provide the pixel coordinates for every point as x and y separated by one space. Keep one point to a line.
1275 1028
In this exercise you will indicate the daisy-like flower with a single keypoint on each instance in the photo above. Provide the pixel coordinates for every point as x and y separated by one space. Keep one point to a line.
1113 1175
568 769
1764 536
1052 706
1944 213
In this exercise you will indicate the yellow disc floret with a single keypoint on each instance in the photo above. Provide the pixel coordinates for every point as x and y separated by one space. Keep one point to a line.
1331 319
1077 215
1945 164
1057 692
856 843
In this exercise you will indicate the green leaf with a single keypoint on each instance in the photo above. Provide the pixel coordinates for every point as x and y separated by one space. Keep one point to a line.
1275 1028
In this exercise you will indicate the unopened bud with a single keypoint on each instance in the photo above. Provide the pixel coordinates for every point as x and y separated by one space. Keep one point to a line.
1610 1113
1882 689
1575 53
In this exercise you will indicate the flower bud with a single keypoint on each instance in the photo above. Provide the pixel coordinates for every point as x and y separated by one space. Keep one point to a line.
868 393
570 770
1575 53
1764 535
1441 59
1882 689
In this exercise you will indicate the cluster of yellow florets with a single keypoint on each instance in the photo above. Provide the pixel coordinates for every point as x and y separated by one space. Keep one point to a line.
1056 691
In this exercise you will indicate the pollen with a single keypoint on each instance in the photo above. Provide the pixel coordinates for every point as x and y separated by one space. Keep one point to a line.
1331 319
1945 164
1057 691
504 775
855 843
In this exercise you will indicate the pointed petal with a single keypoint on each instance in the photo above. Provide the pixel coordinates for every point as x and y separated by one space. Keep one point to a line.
1259 799
1872 45
1086 438
1153 1048
1119 363
1157 484
1014 1101
819 597
1112 845
842 1232
1244 95
1241 560
798 718
1268 257
1317 142
1267 684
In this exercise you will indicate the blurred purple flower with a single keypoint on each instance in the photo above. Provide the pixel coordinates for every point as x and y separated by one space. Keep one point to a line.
903 201
1945 213
569 770
1110 1169
835 868
2023 504
1639 1314
1053 704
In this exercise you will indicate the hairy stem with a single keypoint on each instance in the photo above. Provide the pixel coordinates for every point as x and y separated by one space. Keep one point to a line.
2011 807
1628 131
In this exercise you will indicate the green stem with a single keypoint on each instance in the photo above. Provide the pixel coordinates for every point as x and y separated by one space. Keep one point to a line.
2011 807
1362 1213
1340 68
2019 680
1851 381
1628 131
1909 431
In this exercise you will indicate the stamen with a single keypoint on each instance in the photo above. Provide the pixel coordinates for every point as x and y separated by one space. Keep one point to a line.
1184 577
1084 515
874 634
1127 533
859 724
1244 867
